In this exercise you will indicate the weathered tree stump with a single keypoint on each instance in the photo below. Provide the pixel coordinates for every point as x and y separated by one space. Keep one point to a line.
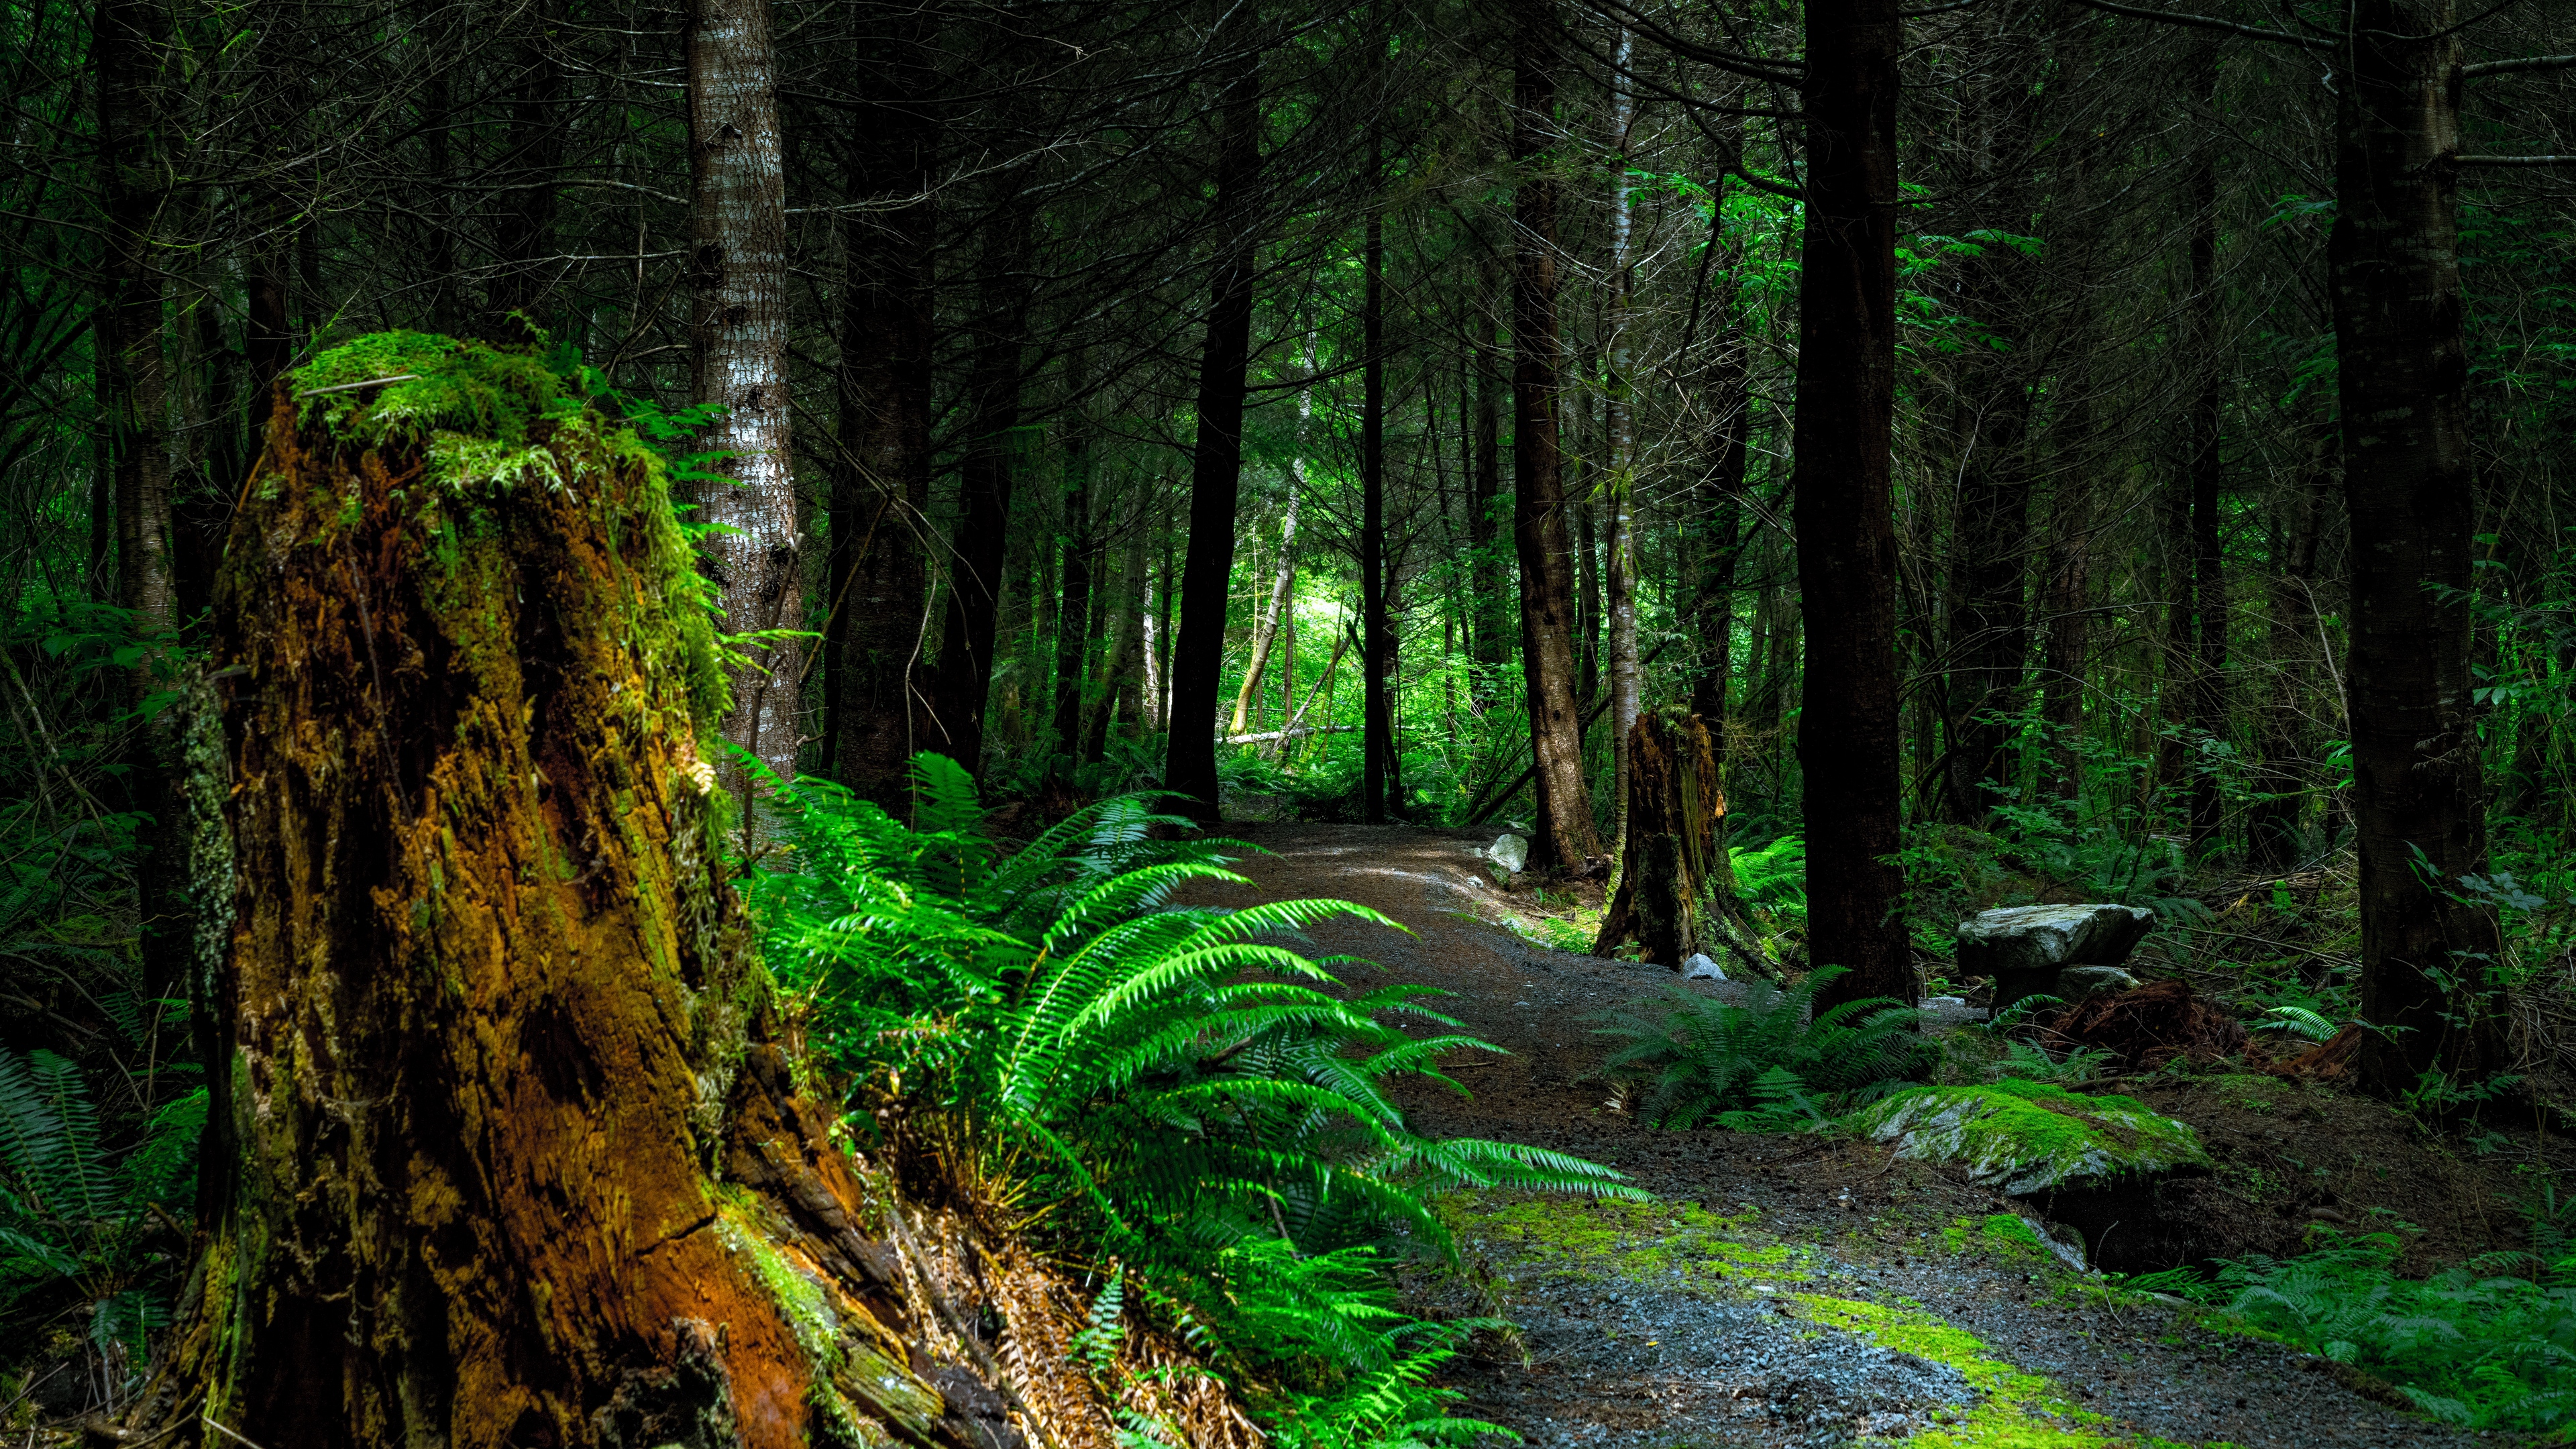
508 1146
1674 876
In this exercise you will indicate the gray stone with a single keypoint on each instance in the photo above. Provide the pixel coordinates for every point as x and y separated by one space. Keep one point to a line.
1700 968
2077 983
2023 948
1510 852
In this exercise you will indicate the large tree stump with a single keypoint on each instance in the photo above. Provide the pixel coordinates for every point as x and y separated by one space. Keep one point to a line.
1673 862
508 1146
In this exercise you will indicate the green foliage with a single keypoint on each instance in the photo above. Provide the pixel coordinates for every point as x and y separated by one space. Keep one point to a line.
77 1220
1698 1059
2471 1345
1193 1100
1774 877
2031 1061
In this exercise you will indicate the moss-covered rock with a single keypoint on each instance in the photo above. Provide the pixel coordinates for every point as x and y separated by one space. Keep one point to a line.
2024 1137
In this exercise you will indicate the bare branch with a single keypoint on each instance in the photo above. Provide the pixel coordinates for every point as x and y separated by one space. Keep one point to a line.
2518 63
2205 22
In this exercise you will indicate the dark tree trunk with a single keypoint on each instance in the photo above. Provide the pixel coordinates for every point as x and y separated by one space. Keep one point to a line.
1377 750
1847 733
738 357
1717 515
1488 633
2393 262
1565 833
1073 634
1672 849
2208 672
979 552
1216 459
510 1150
880 475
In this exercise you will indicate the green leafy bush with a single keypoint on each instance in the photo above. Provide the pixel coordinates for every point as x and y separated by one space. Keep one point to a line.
2474 1345
1175 1082
1773 877
1696 1058
78 1221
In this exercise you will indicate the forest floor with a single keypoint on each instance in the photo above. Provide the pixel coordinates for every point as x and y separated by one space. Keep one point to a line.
1796 1290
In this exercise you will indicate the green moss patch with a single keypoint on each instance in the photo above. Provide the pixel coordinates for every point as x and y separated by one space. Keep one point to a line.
2023 1137
2017 1410
1641 1241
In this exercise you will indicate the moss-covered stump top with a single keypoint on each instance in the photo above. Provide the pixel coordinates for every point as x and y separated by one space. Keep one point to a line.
2025 1137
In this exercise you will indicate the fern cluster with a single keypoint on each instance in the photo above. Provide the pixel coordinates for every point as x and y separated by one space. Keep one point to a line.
1764 1065
2488 1344
76 1218
1193 1099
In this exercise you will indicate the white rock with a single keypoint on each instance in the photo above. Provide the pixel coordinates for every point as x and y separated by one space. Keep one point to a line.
1510 852
1700 968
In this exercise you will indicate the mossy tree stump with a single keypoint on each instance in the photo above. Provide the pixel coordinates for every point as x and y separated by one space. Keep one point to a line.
1676 890
508 1145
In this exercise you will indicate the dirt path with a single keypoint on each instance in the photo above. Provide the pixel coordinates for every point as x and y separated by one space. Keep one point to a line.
1779 1290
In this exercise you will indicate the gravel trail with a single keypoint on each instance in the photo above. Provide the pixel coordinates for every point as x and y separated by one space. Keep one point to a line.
1778 1290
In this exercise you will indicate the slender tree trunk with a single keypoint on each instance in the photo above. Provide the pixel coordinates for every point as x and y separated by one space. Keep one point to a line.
738 358
1488 636
980 551
1618 563
2393 262
1123 691
1565 833
1847 733
2208 701
1717 514
1216 459
1377 747
1073 634
880 475
1274 617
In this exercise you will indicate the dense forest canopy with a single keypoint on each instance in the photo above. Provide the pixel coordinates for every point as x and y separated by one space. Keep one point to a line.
1989 451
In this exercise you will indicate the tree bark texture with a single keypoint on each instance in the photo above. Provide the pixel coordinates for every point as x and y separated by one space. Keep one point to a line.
1847 732
1272 621
1377 735
1619 553
880 476
508 1146
1216 458
1565 832
1488 634
2207 702
1073 634
2272 836
2393 265
1672 848
738 358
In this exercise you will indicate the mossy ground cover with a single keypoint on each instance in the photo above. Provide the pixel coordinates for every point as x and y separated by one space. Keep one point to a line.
2023 1136
1658 1244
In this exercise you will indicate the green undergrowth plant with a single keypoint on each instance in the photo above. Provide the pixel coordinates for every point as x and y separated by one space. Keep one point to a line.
1177 1084
1772 1063
90 1233
2487 1344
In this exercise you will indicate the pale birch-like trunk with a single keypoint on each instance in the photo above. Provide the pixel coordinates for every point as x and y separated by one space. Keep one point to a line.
1619 558
1265 630
738 358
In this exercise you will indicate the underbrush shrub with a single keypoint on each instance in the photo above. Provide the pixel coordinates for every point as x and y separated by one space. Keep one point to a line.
1771 1063
1169 1087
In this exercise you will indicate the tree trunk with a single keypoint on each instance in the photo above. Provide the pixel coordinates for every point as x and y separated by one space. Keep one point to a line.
1123 690
2208 699
738 358
1272 619
1487 635
1073 634
1847 734
1377 743
981 547
880 474
2393 262
1565 835
1676 887
510 1150
1216 457
534 162
1618 561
